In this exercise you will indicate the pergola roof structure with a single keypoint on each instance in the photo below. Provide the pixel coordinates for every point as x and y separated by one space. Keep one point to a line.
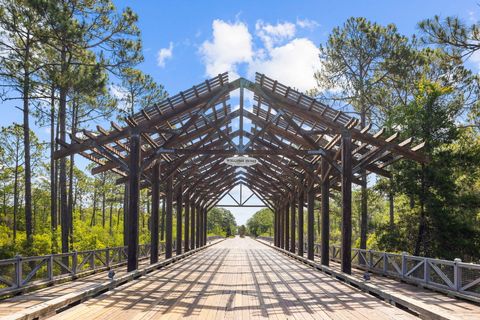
191 133
179 147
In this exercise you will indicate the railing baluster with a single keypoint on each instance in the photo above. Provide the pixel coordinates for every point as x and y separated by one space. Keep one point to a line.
18 272
74 262
457 274
50 267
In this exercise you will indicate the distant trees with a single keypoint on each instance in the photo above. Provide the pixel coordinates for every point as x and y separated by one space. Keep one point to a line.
12 166
261 223
221 221
242 231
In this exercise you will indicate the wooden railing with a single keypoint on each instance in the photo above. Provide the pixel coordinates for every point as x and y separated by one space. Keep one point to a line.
451 276
21 272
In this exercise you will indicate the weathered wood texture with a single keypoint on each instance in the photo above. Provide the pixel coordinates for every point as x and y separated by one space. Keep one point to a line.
236 279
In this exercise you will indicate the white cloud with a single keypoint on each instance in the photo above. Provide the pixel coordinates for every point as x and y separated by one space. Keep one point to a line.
164 54
231 45
292 64
278 54
307 23
273 34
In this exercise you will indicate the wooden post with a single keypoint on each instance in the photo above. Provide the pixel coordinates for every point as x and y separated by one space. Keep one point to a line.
325 188
192 224
125 214
205 225
281 221
133 201
168 217
186 237
155 210
310 223
292 224
199 225
275 228
162 223
179 219
287 226
300 223
346 202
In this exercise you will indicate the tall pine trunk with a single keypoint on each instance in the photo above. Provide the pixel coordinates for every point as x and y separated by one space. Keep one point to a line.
70 178
27 160
15 193
63 164
53 176
364 194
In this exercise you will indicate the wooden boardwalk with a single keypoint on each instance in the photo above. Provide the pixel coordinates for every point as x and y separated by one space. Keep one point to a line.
235 279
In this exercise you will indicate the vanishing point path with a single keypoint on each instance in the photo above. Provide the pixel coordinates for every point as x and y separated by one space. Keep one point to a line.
235 279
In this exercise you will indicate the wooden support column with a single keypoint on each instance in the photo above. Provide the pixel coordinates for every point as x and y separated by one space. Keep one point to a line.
133 201
125 214
292 224
178 248
346 202
168 217
300 223
199 225
310 223
155 210
325 189
275 228
280 224
162 223
187 221
204 225
287 226
192 224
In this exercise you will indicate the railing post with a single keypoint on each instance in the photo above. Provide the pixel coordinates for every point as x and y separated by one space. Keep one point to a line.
457 274
107 257
404 264
385 263
370 259
92 260
426 268
50 267
18 271
74 262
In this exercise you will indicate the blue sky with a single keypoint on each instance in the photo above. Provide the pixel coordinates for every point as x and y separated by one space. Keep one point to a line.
188 41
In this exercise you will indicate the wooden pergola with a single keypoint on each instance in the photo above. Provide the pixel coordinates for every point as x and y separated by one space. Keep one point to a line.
303 148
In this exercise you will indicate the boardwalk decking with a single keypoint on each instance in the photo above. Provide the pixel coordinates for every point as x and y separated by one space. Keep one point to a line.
235 279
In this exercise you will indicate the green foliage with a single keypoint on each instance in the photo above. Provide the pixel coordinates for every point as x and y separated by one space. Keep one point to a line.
242 231
221 222
261 223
